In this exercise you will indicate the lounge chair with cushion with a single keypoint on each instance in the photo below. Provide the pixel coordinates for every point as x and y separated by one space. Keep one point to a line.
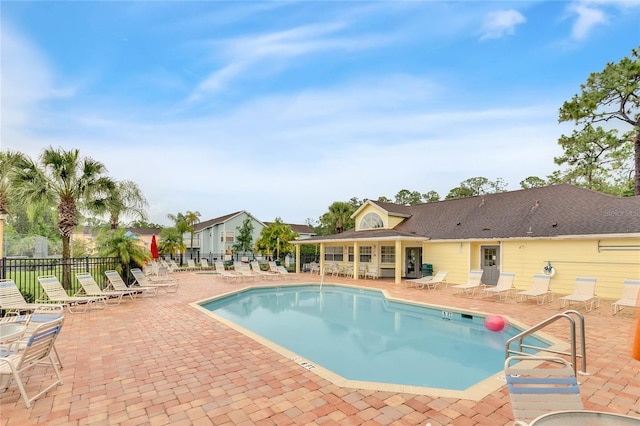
12 301
474 282
117 283
91 288
37 352
168 286
540 385
584 291
504 286
54 292
43 313
539 289
430 282
630 296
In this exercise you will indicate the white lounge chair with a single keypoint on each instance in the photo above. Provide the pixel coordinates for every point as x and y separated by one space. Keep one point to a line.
91 288
37 352
430 282
204 264
54 292
504 286
630 296
191 265
584 291
117 283
166 285
244 269
12 301
371 271
539 385
474 282
539 289
255 267
227 275
280 270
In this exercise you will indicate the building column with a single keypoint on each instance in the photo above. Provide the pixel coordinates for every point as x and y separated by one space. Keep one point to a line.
297 258
356 260
398 271
322 259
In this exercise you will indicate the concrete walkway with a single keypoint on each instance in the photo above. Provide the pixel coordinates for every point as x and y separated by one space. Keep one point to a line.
159 361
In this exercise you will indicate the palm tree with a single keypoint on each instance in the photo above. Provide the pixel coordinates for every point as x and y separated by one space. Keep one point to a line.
192 218
8 161
117 243
63 179
276 238
181 226
125 199
170 241
338 218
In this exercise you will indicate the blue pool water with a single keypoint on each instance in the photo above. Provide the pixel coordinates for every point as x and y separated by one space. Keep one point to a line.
360 335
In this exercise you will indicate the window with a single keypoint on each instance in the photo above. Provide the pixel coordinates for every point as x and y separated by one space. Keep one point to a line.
371 221
351 257
333 254
365 254
387 254
227 237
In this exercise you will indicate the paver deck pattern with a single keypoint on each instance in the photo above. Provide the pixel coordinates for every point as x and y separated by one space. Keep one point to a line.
159 361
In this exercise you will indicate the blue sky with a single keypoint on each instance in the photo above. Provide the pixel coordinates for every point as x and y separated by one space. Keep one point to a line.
281 108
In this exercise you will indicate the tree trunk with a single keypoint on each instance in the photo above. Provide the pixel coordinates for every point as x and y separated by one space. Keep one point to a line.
67 214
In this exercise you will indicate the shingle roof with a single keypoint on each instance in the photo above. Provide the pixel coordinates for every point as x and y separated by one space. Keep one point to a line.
551 211
207 223
538 212
394 209
299 229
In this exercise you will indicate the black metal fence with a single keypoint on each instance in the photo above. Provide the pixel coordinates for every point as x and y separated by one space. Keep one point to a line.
212 257
25 272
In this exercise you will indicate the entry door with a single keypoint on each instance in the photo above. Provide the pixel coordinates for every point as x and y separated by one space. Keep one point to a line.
490 264
412 265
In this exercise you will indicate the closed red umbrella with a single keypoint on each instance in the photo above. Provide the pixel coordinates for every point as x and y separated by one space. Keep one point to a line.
154 248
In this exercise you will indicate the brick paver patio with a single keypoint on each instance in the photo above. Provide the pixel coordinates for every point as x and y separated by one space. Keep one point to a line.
159 361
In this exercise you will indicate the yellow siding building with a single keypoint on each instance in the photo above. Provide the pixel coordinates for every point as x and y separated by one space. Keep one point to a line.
575 231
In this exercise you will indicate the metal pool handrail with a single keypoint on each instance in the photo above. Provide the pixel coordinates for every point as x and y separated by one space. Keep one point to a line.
568 315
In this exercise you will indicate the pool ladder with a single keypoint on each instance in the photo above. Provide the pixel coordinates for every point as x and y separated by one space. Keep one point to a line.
569 316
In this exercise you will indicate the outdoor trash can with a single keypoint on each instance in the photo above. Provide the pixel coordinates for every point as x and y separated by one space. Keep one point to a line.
427 269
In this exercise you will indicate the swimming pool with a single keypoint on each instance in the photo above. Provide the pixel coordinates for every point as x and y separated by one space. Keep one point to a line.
361 336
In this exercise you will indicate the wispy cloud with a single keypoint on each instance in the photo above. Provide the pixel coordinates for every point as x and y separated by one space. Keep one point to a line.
246 54
588 18
500 23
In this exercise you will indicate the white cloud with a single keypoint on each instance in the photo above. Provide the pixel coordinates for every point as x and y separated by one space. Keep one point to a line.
588 18
500 23
274 50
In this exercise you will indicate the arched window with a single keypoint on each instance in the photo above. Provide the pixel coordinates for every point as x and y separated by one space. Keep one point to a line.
371 221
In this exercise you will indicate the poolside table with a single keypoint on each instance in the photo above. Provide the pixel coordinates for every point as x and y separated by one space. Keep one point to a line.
10 331
585 418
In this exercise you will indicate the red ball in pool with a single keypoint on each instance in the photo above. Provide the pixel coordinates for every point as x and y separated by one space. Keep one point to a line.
495 323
